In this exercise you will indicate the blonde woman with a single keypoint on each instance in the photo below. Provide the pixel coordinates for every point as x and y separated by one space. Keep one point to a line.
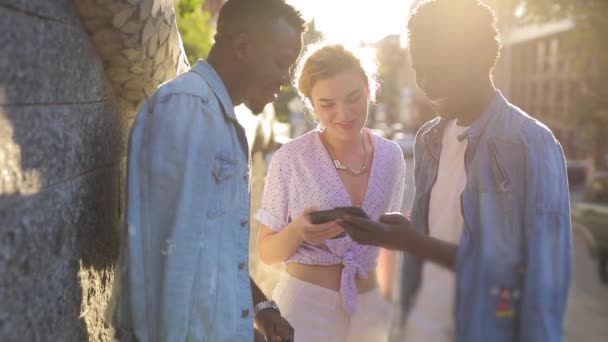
329 289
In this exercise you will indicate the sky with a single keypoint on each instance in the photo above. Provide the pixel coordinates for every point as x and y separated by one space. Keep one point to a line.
355 21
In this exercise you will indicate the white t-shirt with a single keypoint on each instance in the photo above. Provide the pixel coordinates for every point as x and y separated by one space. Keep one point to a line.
432 316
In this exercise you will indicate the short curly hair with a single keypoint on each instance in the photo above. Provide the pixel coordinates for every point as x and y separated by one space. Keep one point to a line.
238 16
466 25
323 61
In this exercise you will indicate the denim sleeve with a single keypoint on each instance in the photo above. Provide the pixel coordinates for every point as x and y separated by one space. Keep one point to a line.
547 268
410 277
419 148
171 151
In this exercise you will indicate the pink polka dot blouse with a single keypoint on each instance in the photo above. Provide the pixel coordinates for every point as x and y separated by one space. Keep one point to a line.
302 174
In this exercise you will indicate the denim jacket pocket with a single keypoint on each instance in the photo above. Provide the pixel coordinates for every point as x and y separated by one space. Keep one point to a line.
498 211
223 173
499 173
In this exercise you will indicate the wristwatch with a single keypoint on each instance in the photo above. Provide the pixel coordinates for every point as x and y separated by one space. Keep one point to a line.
265 304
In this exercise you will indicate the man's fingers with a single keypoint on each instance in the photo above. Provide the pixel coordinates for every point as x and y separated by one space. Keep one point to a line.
291 334
361 234
285 333
363 224
365 238
271 335
348 227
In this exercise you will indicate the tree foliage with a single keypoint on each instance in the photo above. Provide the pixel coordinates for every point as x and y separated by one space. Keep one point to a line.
195 29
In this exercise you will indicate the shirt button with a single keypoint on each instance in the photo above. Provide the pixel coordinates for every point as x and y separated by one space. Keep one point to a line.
245 313
244 222
241 266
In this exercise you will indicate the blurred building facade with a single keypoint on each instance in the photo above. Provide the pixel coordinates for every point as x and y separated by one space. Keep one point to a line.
400 106
537 75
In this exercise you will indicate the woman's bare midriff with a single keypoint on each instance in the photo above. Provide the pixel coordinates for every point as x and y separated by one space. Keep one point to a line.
329 276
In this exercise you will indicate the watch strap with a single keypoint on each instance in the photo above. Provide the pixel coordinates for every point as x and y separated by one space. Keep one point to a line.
265 304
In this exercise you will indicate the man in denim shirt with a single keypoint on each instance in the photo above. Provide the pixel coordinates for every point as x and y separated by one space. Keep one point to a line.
491 208
184 264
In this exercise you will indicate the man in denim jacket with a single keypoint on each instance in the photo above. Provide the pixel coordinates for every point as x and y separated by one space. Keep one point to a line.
491 208
184 264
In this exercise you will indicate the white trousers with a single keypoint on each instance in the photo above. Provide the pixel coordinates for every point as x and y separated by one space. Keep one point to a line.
317 315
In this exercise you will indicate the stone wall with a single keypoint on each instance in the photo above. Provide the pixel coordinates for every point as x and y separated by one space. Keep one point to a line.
62 140
139 44
62 151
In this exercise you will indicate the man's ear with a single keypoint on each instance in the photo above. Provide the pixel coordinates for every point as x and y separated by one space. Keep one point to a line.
241 46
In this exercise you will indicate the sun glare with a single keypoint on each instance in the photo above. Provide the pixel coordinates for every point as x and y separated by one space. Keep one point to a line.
353 22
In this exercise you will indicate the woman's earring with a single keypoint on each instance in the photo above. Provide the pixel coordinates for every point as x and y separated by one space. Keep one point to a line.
320 125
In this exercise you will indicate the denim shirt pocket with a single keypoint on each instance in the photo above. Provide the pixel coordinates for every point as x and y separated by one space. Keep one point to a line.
497 211
495 185
501 178
223 172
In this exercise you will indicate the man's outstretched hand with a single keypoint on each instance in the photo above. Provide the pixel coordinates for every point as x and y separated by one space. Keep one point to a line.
394 231
387 232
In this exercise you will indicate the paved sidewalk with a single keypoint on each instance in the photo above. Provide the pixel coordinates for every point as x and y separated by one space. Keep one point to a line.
587 317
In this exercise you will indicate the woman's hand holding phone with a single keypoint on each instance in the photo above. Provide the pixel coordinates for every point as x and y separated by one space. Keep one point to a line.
315 234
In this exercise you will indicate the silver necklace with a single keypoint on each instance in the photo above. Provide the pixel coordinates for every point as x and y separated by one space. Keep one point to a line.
341 167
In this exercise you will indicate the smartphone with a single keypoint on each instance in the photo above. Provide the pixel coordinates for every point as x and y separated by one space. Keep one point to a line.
355 211
324 216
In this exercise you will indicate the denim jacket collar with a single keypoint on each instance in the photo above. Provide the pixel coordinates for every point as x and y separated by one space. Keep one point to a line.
479 125
217 85
433 135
